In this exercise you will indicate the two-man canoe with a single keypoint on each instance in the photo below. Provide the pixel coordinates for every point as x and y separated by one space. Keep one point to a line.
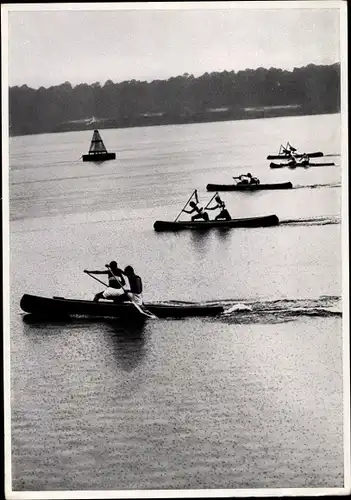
247 187
267 220
317 154
303 164
57 307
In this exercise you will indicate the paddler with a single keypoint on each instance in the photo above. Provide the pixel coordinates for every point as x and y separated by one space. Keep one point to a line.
292 159
247 179
116 282
243 178
285 149
135 285
252 179
223 214
291 148
200 212
305 159
288 149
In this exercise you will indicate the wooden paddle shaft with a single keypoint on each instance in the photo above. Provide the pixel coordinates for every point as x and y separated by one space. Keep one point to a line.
209 203
175 220
97 279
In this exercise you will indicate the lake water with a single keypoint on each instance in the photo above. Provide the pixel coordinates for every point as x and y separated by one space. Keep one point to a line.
249 399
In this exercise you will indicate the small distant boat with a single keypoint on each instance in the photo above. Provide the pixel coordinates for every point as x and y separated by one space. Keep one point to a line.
263 221
302 164
286 156
58 307
97 150
248 187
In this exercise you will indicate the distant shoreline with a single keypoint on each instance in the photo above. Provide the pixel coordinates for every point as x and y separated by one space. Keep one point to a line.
228 95
152 122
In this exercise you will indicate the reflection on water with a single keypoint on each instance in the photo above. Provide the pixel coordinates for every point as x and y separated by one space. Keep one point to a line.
126 338
200 239
223 232
49 324
128 344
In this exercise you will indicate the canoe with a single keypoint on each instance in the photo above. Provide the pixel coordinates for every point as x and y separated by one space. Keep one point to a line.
317 154
57 307
247 187
305 165
268 220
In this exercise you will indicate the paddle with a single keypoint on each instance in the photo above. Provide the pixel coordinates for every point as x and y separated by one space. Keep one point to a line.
175 220
92 276
209 203
284 149
142 310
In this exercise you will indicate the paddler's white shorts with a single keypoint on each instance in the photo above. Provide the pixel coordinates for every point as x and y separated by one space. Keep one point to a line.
109 293
137 297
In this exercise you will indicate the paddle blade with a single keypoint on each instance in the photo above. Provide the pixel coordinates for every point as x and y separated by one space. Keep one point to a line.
144 311
140 307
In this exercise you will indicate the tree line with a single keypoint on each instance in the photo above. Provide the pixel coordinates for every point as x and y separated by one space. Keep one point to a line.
310 89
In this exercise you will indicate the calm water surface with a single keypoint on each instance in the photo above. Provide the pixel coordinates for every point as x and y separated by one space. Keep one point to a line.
250 399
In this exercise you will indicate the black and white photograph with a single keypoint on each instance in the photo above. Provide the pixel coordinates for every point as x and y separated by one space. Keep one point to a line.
175 249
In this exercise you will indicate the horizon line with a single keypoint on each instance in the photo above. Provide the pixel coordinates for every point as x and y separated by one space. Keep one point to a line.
189 75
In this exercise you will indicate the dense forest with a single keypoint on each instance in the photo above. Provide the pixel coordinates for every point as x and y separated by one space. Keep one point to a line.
226 95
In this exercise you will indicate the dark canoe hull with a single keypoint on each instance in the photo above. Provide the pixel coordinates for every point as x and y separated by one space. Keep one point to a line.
99 157
317 154
60 307
247 187
305 165
268 220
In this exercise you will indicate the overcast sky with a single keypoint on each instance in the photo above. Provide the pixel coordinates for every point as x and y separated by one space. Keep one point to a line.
49 48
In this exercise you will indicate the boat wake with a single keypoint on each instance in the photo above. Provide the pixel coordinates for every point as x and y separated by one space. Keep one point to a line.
314 186
273 311
311 221
279 311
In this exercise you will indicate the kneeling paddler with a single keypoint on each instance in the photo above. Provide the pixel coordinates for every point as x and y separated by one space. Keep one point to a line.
304 160
135 285
247 179
200 212
223 214
116 282
116 290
